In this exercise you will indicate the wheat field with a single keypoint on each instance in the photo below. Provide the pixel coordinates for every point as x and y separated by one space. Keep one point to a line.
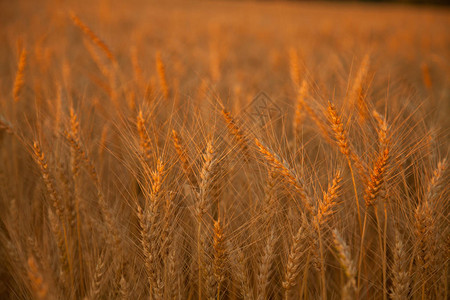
224 150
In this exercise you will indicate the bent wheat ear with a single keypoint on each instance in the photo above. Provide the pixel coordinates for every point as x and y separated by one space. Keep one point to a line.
93 37
286 172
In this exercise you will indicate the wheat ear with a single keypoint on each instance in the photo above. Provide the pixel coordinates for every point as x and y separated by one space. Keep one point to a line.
401 276
219 256
38 283
20 74
183 157
357 91
436 180
295 257
241 274
49 183
236 132
345 147
265 266
344 255
93 37
300 106
286 172
326 206
124 290
144 140
161 70
294 67
48 180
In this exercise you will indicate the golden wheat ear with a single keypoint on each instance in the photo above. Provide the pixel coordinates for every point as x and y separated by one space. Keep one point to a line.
286 172
161 70
93 37
19 81
236 131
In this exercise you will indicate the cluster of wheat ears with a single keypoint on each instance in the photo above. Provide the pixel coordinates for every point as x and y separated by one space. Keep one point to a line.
141 188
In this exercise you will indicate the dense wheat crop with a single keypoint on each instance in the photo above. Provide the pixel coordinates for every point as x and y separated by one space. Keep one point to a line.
223 150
